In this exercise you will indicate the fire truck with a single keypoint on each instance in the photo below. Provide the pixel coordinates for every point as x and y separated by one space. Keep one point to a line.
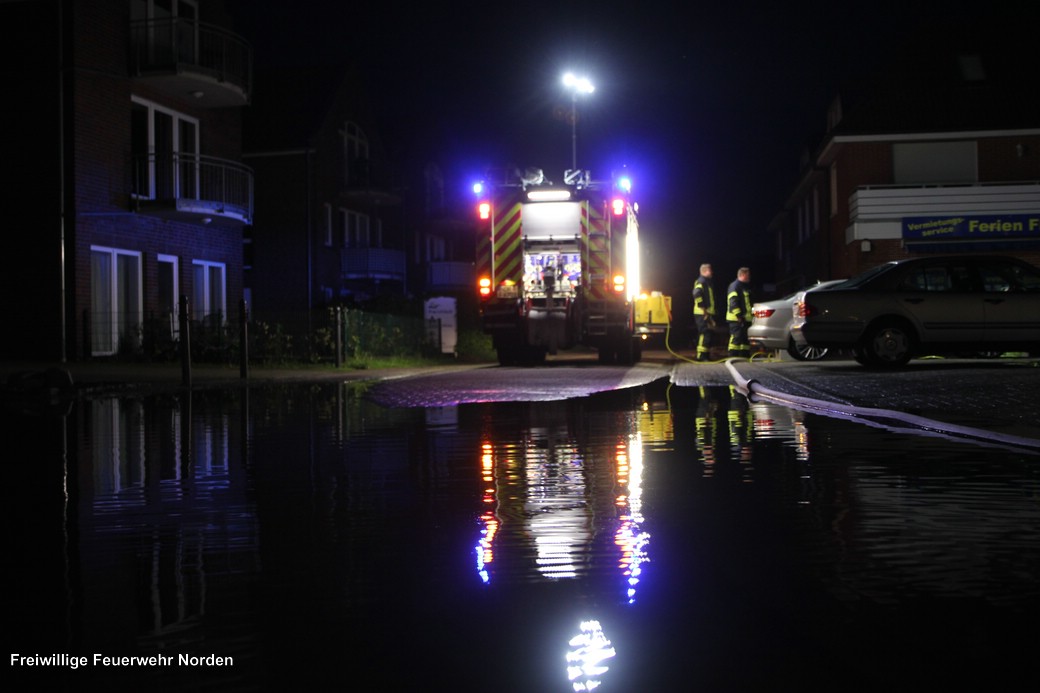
558 266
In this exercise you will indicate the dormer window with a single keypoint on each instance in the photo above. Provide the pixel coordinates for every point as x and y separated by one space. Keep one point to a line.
355 155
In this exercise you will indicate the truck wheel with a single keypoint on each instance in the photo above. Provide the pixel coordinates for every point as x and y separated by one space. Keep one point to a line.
507 356
534 356
606 354
627 351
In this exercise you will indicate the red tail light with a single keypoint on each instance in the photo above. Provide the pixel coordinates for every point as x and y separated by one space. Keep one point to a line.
763 312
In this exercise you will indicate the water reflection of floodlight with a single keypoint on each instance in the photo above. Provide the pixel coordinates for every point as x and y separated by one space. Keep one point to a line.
586 660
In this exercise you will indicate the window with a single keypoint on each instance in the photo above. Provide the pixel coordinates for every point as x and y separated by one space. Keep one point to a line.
355 154
169 295
815 209
208 299
115 300
934 162
361 230
833 173
938 278
327 222
172 30
1000 276
434 190
356 229
165 148
117 450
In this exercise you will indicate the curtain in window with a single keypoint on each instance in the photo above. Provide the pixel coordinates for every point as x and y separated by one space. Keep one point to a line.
101 310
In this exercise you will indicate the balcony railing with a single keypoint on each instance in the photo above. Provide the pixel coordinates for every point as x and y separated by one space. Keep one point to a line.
372 263
193 187
449 275
213 66
877 212
878 203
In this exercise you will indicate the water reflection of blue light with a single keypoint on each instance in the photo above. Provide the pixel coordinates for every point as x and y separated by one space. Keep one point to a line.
629 537
590 649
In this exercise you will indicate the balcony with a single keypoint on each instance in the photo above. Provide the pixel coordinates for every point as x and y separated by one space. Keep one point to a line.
195 189
449 276
189 60
372 263
877 212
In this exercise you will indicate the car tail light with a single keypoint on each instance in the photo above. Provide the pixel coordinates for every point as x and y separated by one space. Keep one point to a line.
763 312
804 310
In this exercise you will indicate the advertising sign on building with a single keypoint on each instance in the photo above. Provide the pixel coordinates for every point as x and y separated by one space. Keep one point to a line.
981 228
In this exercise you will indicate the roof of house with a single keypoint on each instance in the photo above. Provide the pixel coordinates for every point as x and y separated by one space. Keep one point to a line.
935 88
289 105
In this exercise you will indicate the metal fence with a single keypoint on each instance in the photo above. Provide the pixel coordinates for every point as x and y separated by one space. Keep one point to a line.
332 335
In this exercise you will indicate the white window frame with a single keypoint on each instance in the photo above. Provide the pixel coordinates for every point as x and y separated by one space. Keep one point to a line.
175 322
114 325
355 146
357 229
201 312
178 118
327 220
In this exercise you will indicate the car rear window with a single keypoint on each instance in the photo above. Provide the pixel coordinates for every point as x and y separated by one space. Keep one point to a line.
952 277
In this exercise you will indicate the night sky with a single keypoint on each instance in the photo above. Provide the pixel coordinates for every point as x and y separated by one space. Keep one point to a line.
709 106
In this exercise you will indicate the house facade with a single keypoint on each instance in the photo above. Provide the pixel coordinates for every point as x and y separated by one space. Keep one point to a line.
943 157
329 224
126 181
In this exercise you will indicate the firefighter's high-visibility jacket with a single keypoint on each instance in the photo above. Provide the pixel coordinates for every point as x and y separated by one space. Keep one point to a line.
703 296
738 302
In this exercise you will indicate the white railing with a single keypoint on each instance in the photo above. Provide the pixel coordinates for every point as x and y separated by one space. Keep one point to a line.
372 263
225 187
885 203
163 44
449 274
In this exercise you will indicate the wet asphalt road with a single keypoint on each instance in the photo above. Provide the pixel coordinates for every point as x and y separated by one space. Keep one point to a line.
994 394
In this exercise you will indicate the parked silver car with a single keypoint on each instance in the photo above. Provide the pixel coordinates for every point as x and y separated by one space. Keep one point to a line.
927 305
771 325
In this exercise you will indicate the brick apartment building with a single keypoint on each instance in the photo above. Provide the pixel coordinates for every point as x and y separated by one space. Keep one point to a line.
329 225
124 182
338 222
939 156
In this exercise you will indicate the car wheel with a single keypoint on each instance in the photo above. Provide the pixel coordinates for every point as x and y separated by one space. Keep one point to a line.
861 356
805 352
889 345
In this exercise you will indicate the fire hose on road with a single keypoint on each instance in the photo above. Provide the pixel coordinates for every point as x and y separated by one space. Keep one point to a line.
884 418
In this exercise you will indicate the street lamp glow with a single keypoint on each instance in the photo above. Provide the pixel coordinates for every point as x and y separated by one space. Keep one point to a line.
577 85
580 85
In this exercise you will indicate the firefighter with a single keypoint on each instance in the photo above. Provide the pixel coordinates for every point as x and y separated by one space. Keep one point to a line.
704 312
738 314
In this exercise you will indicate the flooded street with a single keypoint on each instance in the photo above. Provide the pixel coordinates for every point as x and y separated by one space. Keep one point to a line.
653 538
